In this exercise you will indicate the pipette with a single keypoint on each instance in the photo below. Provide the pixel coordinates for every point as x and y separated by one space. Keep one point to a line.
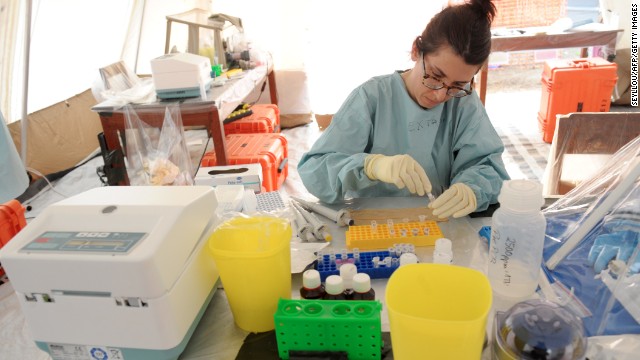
342 217
318 228
304 227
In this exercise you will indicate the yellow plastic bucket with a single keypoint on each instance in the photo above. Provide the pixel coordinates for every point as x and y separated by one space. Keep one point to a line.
254 259
437 311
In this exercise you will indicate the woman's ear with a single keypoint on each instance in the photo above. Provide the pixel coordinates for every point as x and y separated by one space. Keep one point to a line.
415 53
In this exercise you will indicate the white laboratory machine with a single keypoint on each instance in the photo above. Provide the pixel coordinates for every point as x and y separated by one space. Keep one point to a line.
181 75
118 272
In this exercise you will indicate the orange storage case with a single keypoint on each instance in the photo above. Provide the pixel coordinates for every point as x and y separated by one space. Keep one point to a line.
569 86
265 119
12 220
268 150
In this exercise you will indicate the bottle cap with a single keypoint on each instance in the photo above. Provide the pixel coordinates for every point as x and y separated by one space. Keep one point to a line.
408 258
443 245
361 283
347 272
521 195
311 279
333 285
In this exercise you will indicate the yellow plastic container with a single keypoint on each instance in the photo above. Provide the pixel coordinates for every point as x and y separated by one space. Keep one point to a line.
437 311
254 259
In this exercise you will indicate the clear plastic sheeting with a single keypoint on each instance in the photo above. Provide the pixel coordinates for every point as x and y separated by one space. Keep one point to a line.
120 85
582 144
592 245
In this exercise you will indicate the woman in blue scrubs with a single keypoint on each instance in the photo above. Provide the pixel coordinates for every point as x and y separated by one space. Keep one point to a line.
418 131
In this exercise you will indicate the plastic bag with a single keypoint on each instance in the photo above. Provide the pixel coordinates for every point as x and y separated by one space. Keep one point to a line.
592 245
157 156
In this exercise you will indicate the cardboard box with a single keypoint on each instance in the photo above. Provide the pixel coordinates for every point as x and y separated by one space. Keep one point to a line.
248 175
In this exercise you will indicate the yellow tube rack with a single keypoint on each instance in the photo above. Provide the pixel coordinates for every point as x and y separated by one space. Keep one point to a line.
382 236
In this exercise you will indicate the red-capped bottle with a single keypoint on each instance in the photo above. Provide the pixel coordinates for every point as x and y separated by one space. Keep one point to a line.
362 287
311 285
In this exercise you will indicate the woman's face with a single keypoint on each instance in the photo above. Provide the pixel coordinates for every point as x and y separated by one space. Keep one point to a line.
443 65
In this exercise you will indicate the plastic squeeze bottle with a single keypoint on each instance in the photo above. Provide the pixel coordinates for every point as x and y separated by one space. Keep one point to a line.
311 285
517 238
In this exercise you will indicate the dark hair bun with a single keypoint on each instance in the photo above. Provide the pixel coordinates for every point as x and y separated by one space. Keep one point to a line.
484 7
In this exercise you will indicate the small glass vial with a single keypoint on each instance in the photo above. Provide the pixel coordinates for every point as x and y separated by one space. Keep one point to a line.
311 285
334 288
362 288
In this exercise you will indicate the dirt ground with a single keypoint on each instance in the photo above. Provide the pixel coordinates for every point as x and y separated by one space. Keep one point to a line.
514 78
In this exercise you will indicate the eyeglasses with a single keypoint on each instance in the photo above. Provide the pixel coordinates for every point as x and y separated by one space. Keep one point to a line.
435 83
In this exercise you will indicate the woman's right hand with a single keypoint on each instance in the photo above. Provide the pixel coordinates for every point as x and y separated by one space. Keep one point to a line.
401 170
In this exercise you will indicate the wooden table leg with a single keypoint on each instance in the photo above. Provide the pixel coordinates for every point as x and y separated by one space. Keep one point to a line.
218 137
482 81
273 92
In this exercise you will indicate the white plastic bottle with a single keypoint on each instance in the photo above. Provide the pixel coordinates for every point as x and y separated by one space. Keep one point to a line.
517 238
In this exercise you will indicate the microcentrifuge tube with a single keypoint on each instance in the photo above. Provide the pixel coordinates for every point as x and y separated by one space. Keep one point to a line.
425 231
415 231
395 262
343 255
403 232
375 261
422 218
387 261
392 250
374 226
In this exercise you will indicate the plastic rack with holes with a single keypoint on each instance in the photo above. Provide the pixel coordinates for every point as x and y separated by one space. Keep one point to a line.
347 326
376 264
381 236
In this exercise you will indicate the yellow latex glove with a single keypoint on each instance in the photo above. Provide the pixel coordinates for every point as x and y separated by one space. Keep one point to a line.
401 170
459 200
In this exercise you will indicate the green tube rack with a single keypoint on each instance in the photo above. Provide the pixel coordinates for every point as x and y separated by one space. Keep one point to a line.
349 326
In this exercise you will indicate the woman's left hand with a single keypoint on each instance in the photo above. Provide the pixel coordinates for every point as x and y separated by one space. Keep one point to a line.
459 200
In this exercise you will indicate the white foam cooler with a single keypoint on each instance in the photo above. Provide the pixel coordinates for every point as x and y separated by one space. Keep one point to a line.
116 272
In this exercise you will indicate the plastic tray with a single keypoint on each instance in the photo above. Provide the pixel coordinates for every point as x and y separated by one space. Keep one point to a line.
350 326
381 237
326 267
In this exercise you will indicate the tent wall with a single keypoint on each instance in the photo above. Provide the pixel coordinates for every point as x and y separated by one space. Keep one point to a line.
61 135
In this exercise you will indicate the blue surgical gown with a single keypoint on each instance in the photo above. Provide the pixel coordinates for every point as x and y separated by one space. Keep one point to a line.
454 142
